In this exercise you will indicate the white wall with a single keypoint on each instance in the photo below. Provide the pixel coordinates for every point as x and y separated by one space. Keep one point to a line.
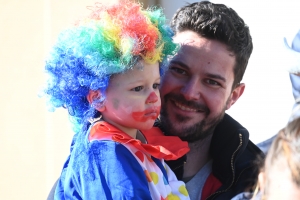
33 142
170 6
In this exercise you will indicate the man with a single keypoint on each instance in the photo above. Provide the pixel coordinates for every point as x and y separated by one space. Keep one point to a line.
202 82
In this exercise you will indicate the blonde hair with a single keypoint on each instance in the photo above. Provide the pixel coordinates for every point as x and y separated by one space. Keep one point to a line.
284 153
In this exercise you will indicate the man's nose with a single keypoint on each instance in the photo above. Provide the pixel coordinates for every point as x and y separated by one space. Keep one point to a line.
152 98
191 90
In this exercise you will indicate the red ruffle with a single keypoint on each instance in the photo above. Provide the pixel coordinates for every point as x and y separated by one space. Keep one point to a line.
159 145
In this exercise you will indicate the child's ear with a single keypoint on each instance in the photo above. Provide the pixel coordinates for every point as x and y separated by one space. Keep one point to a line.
261 181
92 98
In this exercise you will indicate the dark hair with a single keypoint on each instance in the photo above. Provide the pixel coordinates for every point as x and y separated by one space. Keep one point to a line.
221 23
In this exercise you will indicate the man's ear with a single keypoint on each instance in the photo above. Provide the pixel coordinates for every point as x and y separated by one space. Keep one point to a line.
235 95
93 96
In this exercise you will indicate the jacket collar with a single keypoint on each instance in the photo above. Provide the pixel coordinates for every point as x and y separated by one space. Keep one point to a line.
228 142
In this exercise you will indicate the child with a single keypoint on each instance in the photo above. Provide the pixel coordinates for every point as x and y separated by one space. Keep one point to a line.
105 71
280 176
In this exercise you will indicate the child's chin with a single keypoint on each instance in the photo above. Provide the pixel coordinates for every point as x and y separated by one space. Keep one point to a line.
147 125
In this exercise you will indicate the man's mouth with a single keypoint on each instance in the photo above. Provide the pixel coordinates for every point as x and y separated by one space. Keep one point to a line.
179 102
183 107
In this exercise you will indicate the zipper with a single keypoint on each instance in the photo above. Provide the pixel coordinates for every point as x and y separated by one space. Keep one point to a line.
232 168
179 166
242 173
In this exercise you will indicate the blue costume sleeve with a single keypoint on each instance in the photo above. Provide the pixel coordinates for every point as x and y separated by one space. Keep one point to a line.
295 80
109 171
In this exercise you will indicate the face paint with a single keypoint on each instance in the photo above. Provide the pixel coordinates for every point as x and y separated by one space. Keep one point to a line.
150 113
152 98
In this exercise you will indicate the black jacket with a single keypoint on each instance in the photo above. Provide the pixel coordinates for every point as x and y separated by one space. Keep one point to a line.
234 157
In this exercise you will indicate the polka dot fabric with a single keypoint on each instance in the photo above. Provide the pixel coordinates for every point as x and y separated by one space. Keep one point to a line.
162 182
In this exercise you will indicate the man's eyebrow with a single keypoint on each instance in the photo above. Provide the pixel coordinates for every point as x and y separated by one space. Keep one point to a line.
177 62
215 76
210 75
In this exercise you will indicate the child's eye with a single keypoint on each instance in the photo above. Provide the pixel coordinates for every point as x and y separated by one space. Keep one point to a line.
156 85
137 89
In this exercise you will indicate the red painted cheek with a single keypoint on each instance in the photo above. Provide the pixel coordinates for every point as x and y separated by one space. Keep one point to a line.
152 98
143 116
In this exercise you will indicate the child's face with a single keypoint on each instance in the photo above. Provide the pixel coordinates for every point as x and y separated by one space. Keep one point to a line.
132 99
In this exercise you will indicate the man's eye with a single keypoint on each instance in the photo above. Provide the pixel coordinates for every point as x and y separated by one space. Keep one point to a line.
137 89
178 70
156 85
212 82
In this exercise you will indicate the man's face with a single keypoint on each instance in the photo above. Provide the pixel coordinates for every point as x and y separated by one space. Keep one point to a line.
197 88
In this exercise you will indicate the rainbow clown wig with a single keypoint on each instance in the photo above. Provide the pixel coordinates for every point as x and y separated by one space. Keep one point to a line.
111 40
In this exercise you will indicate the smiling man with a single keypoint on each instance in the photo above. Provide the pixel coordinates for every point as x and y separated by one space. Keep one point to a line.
203 81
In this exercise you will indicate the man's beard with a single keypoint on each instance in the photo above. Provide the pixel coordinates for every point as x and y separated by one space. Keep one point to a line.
193 133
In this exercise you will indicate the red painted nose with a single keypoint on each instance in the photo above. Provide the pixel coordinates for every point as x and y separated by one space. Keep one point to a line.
152 98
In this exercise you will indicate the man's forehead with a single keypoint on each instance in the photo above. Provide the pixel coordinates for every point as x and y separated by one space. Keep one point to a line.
187 37
190 41
187 42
